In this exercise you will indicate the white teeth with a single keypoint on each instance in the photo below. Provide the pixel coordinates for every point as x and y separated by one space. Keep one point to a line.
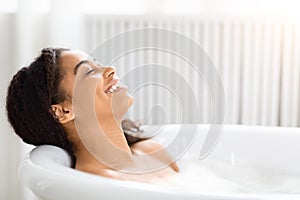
114 87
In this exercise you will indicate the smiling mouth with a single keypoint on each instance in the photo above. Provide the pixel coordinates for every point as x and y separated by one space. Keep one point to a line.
113 88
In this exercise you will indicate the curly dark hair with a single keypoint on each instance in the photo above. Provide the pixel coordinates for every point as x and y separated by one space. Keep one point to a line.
30 95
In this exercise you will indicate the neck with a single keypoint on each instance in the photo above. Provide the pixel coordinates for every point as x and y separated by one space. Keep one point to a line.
112 130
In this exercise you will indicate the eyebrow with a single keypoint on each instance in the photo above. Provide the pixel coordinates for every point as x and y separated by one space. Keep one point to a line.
78 65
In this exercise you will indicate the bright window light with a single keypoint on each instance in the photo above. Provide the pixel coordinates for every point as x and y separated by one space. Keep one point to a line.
8 6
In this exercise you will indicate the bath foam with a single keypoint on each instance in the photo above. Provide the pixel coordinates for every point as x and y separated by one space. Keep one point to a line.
215 177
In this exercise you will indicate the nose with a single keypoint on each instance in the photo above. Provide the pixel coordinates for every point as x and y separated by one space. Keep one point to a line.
109 71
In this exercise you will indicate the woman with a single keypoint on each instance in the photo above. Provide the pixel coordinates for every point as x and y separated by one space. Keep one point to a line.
46 105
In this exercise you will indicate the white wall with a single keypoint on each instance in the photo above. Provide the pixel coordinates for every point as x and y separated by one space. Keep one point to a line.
9 143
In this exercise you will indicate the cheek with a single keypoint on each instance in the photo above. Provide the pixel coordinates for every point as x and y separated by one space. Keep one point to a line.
99 88
67 86
102 100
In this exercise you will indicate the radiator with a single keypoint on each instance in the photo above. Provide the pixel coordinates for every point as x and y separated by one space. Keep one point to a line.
258 61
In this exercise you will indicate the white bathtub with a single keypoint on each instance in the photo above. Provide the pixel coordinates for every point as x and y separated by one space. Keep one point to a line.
46 170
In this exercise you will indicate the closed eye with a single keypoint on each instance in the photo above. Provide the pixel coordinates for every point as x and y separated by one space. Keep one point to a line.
90 72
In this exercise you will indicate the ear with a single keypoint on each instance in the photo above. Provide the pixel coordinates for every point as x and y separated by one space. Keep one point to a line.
63 113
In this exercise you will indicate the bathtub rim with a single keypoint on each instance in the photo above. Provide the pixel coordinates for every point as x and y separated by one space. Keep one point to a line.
28 165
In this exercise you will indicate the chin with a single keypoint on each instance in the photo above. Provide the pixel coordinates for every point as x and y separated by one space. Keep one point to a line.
121 105
130 101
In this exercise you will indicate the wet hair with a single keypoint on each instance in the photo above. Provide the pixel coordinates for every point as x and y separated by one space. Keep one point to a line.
30 95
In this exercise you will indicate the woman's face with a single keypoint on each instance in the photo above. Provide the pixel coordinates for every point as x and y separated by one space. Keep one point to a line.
84 80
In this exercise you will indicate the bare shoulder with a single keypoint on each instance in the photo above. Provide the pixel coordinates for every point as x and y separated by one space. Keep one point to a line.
112 174
149 146
117 175
108 173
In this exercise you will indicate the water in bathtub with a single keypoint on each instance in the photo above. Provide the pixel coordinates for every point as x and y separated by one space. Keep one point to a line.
216 177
